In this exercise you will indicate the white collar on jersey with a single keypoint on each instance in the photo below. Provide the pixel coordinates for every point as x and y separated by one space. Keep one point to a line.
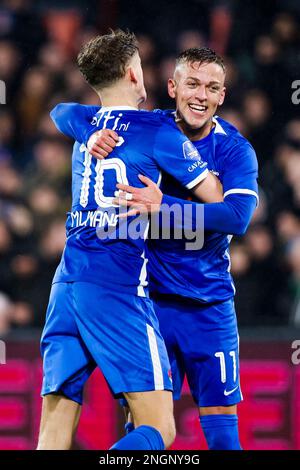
218 128
116 108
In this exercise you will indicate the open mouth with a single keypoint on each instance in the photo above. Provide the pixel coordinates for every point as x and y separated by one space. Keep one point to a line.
198 108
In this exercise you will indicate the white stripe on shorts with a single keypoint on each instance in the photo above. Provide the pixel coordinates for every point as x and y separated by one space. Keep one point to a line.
157 370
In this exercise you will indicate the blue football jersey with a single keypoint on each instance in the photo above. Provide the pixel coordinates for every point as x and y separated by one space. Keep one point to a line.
100 247
204 274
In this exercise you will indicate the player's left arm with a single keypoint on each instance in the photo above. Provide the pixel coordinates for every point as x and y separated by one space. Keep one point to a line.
233 215
230 217
209 189
239 178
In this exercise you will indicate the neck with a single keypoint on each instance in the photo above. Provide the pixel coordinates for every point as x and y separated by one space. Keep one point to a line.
196 134
118 96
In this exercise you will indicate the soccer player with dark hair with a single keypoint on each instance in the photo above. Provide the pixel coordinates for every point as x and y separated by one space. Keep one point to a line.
99 311
193 291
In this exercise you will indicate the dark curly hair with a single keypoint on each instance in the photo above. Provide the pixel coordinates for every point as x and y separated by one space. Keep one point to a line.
203 55
103 60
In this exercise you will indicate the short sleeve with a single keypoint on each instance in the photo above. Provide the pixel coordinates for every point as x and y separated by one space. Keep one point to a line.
240 171
177 156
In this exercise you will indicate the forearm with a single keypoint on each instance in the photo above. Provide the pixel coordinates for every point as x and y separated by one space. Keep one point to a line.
230 217
209 190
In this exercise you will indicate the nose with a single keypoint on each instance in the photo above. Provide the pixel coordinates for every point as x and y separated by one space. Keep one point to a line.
201 93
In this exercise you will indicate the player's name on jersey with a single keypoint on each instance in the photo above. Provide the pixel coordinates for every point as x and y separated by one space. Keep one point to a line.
187 224
97 218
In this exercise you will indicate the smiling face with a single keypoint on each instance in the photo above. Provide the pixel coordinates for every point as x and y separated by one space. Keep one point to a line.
198 89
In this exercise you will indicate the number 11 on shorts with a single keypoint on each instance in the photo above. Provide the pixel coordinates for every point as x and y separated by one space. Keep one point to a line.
221 356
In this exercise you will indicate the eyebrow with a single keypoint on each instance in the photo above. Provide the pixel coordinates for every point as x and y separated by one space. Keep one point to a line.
213 82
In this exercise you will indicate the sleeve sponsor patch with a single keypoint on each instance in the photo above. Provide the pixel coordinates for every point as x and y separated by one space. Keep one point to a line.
189 151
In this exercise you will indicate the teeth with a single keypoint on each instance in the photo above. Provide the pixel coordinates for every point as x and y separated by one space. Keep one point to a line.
198 108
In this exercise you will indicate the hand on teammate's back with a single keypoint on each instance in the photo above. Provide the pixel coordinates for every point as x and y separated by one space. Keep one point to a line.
139 200
102 143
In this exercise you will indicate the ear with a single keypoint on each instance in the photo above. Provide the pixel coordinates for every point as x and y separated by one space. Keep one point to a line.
131 75
171 87
222 96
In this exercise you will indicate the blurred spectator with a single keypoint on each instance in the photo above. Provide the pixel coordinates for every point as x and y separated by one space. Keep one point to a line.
257 114
6 309
10 64
22 26
10 182
53 58
34 93
9 60
147 49
260 215
293 258
7 126
285 29
221 23
254 264
51 166
75 84
62 26
292 132
189 39
245 285
53 241
288 227
235 118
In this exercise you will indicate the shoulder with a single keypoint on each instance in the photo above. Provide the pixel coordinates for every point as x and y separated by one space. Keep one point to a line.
230 142
169 113
142 123
161 126
152 118
154 128
228 135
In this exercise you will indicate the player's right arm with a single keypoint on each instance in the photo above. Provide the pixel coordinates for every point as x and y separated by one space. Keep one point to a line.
176 155
78 122
74 120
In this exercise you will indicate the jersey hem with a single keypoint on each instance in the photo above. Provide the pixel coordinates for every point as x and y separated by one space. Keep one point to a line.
106 285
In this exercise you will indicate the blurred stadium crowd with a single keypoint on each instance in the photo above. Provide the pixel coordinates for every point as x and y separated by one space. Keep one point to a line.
39 41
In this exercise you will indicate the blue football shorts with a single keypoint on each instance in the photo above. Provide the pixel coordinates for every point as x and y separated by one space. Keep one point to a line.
202 343
88 326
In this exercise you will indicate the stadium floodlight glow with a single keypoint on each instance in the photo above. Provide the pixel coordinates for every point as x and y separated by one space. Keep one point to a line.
2 352
2 92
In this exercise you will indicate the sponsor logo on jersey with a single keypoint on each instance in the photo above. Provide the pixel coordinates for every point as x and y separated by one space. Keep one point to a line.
103 120
195 165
